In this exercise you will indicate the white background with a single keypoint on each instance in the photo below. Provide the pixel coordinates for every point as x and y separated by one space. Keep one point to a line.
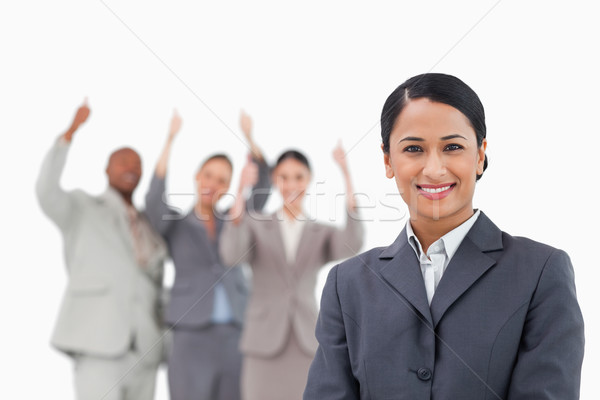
309 73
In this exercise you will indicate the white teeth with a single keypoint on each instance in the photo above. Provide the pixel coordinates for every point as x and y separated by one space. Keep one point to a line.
436 190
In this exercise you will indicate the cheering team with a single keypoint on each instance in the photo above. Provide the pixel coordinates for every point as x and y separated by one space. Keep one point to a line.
454 308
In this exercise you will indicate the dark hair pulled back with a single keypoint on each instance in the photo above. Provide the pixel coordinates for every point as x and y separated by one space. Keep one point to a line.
440 88
295 155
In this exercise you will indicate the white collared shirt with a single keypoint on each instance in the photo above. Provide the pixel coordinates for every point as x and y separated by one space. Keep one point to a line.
439 254
291 232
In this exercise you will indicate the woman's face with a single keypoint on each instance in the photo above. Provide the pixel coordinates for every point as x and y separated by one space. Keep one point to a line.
213 181
291 178
435 159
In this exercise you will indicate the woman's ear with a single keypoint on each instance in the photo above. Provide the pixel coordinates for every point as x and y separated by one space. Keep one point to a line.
389 171
481 156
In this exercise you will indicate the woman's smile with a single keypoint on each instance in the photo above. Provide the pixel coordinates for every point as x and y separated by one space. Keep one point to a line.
436 192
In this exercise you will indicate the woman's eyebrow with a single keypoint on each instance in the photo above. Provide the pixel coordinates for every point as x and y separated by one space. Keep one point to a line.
412 139
450 137
418 139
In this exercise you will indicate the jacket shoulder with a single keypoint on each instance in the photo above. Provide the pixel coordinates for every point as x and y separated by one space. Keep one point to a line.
80 195
526 245
360 263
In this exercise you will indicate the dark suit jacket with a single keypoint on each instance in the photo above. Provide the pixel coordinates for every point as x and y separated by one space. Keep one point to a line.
504 323
196 258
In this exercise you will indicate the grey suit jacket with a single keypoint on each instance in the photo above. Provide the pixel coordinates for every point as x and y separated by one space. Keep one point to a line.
283 293
109 299
504 323
196 258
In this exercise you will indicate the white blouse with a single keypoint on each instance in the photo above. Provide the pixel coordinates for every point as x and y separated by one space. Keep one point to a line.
291 232
439 254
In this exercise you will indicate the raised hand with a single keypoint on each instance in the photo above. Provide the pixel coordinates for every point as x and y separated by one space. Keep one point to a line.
248 178
249 175
175 126
82 114
246 125
339 155
163 160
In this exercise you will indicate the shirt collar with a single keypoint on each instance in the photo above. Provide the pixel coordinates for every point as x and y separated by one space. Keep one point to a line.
449 242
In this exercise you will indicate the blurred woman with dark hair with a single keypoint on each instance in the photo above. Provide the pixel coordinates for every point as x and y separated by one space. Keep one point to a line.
207 301
286 251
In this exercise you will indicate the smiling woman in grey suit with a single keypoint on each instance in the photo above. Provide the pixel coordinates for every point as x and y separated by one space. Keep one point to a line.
207 300
285 251
454 308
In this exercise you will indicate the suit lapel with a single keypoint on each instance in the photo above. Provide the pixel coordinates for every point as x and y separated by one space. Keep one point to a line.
115 207
116 213
468 264
400 268
276 240
306 246
199 230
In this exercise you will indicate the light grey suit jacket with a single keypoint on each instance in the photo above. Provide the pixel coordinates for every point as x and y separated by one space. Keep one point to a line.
282 295
109 299
504 323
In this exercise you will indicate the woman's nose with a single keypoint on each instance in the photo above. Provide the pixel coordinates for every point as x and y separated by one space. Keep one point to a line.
286 184
435 166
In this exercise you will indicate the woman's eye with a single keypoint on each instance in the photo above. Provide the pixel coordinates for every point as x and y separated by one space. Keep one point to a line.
452 147
412 149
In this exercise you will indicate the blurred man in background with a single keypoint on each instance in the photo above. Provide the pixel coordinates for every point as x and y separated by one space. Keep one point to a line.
109 317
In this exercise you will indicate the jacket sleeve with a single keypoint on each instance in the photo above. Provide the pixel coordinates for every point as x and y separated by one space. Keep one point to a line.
552 344
346 242
56 203
160 215
236 243
261 190
330 376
